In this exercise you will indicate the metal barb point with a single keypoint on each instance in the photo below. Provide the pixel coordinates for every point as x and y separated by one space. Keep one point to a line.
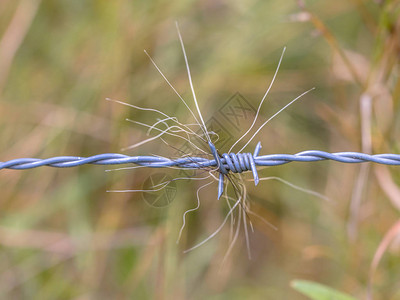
221 168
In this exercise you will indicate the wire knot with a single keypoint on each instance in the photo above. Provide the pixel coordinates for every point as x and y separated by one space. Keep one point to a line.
238 163
234 162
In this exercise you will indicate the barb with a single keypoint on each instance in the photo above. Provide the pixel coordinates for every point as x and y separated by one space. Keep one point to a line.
225 163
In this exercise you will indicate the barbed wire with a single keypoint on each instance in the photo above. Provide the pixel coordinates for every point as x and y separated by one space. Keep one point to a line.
201 162
197 162
225 163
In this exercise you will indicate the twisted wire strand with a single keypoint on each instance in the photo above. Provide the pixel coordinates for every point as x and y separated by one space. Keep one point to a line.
225 163
236 163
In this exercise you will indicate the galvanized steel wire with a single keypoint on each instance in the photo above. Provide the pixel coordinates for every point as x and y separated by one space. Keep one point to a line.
197 162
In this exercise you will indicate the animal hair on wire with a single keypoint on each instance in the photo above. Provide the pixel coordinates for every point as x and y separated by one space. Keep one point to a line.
218 166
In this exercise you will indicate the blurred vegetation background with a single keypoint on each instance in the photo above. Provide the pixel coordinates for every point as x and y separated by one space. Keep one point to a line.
62 236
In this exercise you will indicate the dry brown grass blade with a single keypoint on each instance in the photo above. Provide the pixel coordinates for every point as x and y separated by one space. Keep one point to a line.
367 17
63 244
332 41
362 178
390 235
387 184
15 34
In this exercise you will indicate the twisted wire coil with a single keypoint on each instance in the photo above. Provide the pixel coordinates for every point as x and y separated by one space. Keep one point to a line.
233 162
225 163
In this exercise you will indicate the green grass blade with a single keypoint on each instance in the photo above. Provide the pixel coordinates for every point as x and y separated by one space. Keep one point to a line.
317 291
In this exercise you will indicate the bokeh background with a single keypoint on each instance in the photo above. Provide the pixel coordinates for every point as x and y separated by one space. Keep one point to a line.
63 236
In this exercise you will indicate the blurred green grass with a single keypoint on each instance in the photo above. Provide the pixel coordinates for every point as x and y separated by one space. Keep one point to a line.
64 237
